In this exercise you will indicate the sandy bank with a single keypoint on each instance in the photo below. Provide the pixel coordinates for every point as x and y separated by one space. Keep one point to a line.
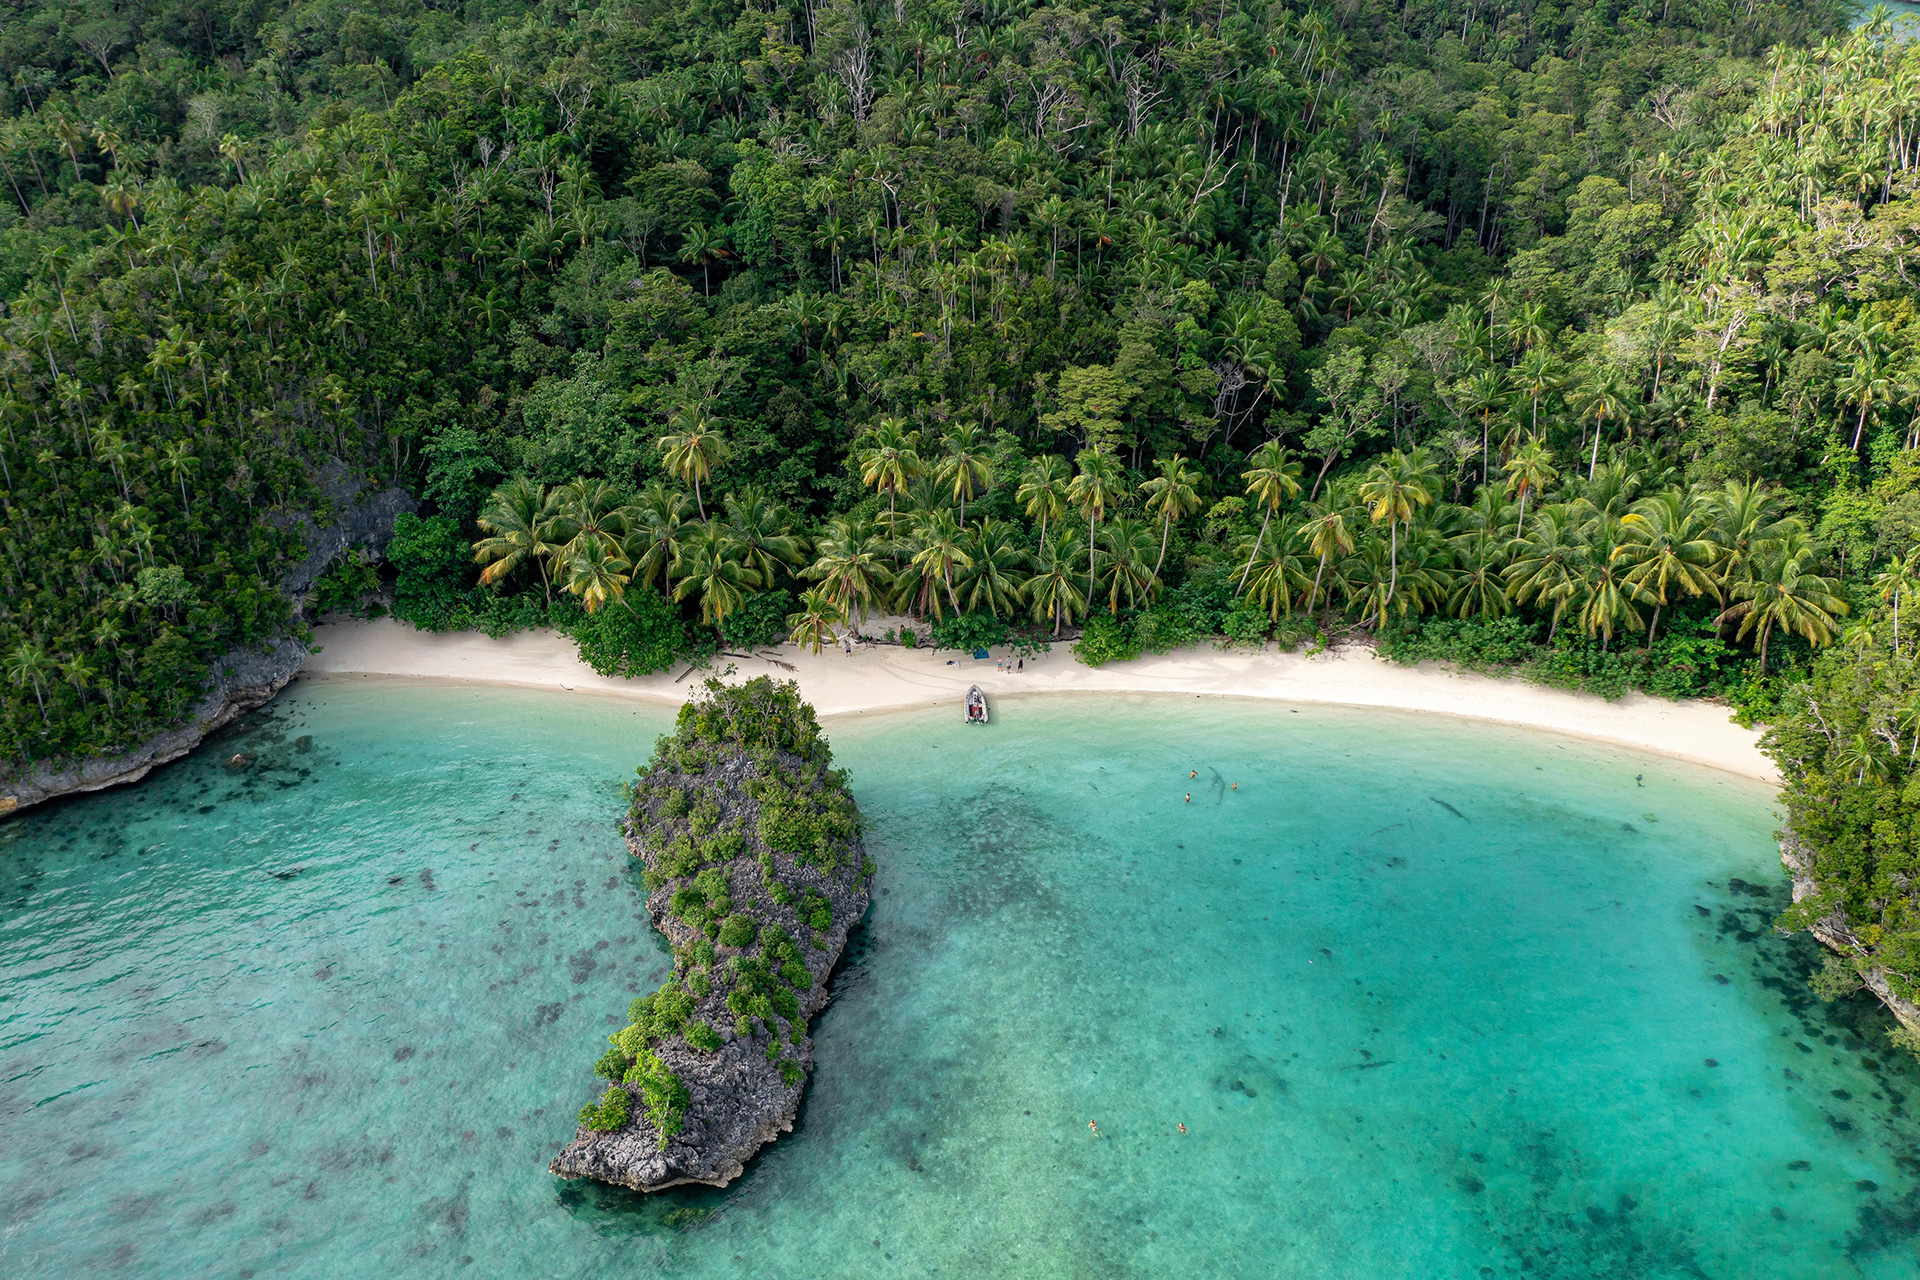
886 677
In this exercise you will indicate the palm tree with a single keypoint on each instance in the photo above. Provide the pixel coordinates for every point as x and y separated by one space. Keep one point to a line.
710 567
591 514
1128 543
1894 583
889 463
1528 472
1095 489
180 463
1784 594
597 575
29 664
1484 396
1608 595
965 466
1277 575
692 450
1549 565
1394 488
1326 534
938 553
519 519
994 554
1043 490
1478 586
1666 550
849 568
1173 495
1052 591
1605 399
1272 478
813 624
1746 519
765 531
653 524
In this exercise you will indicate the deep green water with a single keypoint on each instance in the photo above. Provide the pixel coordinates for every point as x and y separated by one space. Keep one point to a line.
1433 999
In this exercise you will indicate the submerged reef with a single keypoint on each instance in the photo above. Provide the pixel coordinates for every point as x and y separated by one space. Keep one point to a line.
754 871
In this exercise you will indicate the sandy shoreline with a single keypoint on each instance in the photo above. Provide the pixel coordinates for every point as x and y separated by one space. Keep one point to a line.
885 677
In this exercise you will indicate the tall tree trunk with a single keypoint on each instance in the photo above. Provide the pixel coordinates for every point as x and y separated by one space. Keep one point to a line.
1256 553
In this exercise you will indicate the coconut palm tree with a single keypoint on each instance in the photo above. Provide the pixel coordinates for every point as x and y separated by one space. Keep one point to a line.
1549 565
692 450
1784 594
597 575
1173 495
995 557
1894 584
1529 471
1605 398
764 529
654 523
591 514
965 467
519 521
850 568
938 553
1277 575
889 461
1043 490
812 625
1666 550
1746 519
1609 598
1483 395
29 664
1128 543
710 567
1094 489
1326 534
1053 592
1272 478
1394 488
1479 587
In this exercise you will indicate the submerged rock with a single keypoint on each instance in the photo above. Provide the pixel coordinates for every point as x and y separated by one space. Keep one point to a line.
755 872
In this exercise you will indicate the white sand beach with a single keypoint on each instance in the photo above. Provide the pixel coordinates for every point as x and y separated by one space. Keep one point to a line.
886 677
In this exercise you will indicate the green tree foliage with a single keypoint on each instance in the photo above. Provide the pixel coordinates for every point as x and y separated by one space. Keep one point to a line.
944 313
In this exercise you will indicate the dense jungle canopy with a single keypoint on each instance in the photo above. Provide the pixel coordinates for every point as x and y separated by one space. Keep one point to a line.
1573 335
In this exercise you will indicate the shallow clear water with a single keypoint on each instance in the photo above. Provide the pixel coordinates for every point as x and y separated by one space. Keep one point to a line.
1431 998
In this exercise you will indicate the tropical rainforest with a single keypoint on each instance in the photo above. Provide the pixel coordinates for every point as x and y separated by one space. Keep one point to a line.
1572 337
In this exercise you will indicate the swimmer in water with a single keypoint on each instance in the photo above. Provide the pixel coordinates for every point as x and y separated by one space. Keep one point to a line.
1193 773
1189 797
1096 1128
1236 786
1183 1128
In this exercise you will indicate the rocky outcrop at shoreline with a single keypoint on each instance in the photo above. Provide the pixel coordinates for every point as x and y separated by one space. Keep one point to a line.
1833 931
755 871
238 682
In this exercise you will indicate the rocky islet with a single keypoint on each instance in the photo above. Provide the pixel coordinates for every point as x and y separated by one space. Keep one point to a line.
755 872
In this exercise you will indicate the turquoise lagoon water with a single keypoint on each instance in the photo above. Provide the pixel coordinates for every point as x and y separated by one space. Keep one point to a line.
1432 999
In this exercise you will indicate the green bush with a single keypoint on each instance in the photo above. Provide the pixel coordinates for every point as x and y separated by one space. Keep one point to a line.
702 1036
790 1073
796 975
431 563
1105 640
609 1114
761 620
1246 625
663 1094
969 632
1836 980
345 586
737 931
640 635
